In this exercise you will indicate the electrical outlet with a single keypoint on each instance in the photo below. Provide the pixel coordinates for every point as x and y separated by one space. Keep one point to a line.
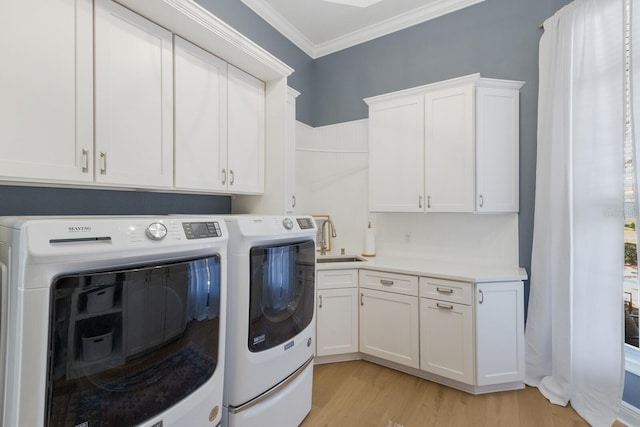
407 237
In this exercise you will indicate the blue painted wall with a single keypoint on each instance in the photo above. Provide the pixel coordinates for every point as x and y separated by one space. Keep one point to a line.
19 200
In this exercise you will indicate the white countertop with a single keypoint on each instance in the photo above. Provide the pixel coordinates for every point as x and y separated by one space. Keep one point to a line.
432 268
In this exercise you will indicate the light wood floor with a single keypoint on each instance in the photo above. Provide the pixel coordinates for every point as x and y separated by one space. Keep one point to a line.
362 394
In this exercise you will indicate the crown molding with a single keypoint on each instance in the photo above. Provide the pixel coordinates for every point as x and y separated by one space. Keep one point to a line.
284 27
192 22
400 22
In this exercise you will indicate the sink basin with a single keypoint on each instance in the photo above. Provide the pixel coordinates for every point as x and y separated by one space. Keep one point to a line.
339 258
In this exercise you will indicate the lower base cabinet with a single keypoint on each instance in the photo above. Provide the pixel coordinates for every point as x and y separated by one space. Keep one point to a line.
337 312
389 326
446 339
464 334
499 315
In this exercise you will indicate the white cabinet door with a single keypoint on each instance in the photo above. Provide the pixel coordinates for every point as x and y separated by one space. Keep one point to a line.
290 152
200 118
500 333
133 99
449 150
446 339
389 326
46 85
396 155
497 150
246 132
337 321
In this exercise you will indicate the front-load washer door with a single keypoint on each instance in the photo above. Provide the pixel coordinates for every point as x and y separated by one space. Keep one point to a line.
128 344
282 293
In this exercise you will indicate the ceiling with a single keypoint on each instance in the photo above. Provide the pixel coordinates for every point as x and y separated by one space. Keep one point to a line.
321 27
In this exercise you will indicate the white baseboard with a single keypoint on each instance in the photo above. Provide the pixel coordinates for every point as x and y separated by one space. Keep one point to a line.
629 415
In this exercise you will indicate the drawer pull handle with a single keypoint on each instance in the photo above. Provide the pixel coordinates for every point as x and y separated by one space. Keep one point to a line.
320 297
445 306
444 290
481 297
361 298
386 282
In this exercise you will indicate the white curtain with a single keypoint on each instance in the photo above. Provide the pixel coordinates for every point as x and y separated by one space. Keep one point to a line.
574 332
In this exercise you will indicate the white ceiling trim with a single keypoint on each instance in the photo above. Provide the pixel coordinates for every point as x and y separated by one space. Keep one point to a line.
269 14
399 22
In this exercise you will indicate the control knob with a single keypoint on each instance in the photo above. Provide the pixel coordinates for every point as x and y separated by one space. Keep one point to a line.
287 223
156 231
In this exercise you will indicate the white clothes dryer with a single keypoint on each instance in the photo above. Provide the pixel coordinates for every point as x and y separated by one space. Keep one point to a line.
271 322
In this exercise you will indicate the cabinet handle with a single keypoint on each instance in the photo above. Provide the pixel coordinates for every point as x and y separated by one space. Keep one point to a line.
386 282
224 176
445 306
361 298
481 200
481 297
420 202
85 153
320 298
293 197
428 202
232 177
444 290
103 156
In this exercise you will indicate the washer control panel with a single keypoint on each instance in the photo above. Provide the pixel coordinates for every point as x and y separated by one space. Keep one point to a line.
201 230
305 223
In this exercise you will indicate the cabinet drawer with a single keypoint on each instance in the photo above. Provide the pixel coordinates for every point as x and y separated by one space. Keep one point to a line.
391 282
446 290
334 279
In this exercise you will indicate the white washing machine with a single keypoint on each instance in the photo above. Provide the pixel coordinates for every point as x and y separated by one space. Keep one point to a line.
271 322
112 321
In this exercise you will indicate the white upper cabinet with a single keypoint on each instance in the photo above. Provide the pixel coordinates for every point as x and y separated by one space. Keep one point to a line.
466 142
133 99
497 149
246 132
200 119
46 82
396 155
449 148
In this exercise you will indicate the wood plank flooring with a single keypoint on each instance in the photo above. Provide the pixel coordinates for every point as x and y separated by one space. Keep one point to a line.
363 394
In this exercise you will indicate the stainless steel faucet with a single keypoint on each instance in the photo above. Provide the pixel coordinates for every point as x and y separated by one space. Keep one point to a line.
323 240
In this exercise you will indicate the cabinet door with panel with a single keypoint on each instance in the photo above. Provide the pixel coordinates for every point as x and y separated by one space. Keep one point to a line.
500 332
46 82
200 118
133 99
290 151
396 155
449 149
446 339
389 326
497 136
446 329
337 312
246 132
